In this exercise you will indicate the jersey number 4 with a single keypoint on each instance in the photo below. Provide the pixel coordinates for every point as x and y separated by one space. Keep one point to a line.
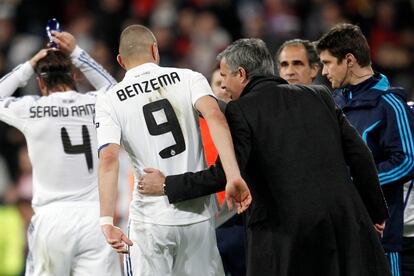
171 125
84 148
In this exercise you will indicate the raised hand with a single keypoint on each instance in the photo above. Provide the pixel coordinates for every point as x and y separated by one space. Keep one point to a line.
65 41
38 56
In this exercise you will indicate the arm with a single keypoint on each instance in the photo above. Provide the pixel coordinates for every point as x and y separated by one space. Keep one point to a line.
220 134
12 109
397 140
108 179
94 72
108 187
20 75
109 136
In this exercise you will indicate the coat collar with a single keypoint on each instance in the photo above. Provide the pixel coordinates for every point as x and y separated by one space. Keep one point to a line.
366 93
259 79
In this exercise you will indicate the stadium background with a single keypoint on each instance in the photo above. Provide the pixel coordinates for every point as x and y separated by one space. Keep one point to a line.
190 34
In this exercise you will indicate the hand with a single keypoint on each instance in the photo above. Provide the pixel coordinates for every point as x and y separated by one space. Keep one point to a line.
151 183
38 56
379 228
237 190
65 41
116 238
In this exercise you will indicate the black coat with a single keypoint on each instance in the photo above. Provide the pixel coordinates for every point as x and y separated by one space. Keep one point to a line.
296 151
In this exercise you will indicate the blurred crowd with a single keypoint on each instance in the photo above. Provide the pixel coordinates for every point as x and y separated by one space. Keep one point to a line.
190 33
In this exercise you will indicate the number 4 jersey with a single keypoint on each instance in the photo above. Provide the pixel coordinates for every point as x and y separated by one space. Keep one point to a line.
60 138
152 113
59 131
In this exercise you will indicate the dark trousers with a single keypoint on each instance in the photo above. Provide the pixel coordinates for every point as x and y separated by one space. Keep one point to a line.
230 243
407 257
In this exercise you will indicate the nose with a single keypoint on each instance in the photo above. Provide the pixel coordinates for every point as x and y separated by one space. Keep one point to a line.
289 70
324 71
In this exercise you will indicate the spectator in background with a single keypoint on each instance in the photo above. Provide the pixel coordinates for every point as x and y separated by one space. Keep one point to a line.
381 116
298 61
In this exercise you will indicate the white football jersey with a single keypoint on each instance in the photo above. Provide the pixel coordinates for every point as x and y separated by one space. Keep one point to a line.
59 131
152 114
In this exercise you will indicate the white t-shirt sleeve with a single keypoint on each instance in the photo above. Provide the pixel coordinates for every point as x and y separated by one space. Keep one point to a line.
199 87
18 77
93 71
107 126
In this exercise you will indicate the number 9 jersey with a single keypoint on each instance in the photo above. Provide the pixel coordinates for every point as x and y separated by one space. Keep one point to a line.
152 114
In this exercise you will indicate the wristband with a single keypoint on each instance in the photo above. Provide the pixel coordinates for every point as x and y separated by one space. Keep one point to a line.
106 221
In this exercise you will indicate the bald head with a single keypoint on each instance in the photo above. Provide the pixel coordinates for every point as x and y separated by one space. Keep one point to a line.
137 45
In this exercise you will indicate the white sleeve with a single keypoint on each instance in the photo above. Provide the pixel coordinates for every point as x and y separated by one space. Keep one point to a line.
94 72
107 126
18 77
13 111
199 87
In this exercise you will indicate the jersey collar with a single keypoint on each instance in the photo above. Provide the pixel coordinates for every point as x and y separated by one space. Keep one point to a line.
136 71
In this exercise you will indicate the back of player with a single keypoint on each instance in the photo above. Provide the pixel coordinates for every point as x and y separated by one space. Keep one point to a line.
64 235
153 114
162 134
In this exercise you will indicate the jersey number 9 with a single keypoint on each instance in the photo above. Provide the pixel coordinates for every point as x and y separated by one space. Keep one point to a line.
171 125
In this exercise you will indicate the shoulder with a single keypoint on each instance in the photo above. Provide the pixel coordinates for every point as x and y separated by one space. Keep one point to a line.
25 100
191 74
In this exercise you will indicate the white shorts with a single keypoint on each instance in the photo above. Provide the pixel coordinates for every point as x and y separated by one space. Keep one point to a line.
66 239
161 250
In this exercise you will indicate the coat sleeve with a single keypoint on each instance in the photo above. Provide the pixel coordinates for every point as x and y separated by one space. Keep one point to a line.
398 142
361 164
191 185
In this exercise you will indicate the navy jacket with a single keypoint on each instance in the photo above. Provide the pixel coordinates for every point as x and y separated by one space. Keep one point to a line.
386 123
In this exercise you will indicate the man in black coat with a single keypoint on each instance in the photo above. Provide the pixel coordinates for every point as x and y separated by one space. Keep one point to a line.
317 205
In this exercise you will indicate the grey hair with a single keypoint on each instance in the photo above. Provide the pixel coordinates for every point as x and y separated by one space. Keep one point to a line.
251 54
312 54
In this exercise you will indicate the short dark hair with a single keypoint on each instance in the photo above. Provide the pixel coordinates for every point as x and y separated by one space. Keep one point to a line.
343 39
56 69
313 57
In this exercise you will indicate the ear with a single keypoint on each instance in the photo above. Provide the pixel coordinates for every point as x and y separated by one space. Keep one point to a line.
154 53
120 62
350 60
314 70
241 72
42 86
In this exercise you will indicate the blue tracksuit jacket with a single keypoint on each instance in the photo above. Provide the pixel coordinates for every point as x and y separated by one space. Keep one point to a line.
386 123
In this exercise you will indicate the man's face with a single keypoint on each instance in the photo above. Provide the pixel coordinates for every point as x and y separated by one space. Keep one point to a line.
294 65
231 83
217 88
336 72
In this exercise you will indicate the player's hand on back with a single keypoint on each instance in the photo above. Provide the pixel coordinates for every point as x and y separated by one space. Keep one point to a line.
65 41
116 238
238 192
152 182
